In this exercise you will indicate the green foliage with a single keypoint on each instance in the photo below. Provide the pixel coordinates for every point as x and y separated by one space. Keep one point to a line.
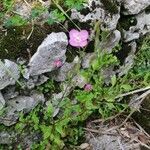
15 20
47 87
141 70
56 16
7 4
37 11
77 4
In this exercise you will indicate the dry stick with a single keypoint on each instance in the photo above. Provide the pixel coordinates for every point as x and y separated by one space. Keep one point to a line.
109 118
133 92
141 129
27 3
99 132
143 144
120 144
142 97
32 29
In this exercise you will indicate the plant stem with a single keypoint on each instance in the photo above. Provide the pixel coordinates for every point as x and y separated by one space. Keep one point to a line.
61 9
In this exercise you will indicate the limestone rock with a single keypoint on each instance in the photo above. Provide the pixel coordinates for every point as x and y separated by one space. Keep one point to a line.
18 104
142 27
128 63
35 81
22 9
68 69
10 92
108 19
2 101
110 142
5 137
133 7
111 41
52 48
79 81
87 59
9 73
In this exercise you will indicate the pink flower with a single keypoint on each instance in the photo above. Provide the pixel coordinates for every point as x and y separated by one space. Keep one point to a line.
88 87
78 38
57 63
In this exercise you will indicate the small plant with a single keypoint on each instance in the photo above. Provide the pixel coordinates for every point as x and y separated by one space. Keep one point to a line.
76 4
47 87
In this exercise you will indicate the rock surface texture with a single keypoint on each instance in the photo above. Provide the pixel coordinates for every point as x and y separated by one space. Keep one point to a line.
97 10
133 7
65 71
51 49
2 101
141 28
18 104
9 73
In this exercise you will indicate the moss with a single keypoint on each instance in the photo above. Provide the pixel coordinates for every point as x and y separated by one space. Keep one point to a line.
110 6
15 43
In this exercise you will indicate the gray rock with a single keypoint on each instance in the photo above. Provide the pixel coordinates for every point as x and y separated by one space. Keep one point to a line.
108 74
9 73
79 81
106 18
10 92
66 71
142 27
111 41
41 79
35 81
133 7
21 103
51 49
110 142
2 101
87 59
22 9
5 138
25 9
128 63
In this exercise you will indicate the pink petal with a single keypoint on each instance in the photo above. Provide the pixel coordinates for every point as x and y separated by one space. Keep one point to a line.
84 35
88 87
73 34
74 43
83 43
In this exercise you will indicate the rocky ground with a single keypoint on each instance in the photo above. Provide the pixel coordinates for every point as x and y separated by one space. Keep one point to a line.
28 63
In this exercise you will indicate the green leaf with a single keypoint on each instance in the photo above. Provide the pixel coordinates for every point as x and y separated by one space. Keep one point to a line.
35 119
37 11
126 87
56 16
95 65
49 110
15 20
113 80
46 131
76 4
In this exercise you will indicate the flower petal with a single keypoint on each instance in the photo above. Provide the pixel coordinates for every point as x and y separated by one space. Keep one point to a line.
73 33
74 43
83 43
84 35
